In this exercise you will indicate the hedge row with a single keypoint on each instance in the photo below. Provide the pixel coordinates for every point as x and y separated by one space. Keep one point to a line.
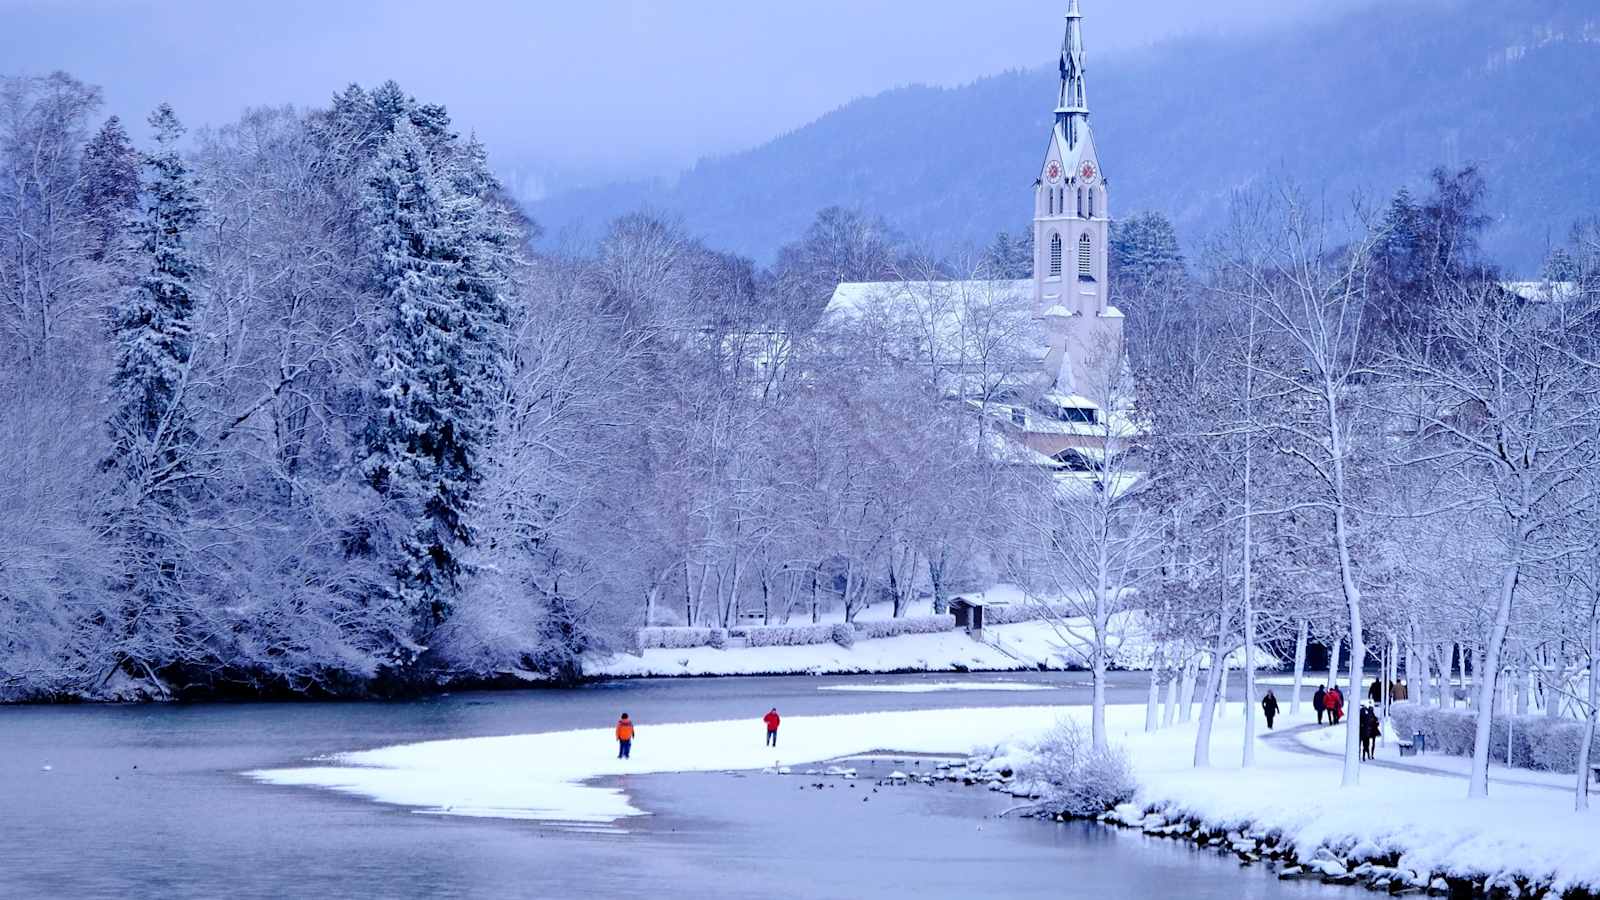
1537 742
897 627
792 635
789 635
1012 614
675 638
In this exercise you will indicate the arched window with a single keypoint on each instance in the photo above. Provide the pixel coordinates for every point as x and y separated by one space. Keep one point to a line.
1055 256
1050 200
1091 202
1085 257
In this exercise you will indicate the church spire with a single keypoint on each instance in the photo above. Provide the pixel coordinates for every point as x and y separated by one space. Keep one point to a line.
1072 111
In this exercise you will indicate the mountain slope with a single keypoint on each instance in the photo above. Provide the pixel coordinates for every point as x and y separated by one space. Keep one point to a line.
1365 103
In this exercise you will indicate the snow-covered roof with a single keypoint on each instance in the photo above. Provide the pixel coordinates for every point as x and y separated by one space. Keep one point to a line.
1542 291
952 320
853 297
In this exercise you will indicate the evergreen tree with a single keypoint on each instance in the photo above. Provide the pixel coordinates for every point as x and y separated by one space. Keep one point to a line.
110 187
440 364
1009 257
1144 252
1561 265
152 463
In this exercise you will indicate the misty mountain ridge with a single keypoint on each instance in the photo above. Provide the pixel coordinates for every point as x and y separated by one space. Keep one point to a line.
1363 104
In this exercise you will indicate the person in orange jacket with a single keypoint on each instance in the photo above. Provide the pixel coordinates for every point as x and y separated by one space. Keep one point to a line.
772 720
624 736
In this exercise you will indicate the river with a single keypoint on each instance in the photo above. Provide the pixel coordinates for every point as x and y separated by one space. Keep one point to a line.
148 801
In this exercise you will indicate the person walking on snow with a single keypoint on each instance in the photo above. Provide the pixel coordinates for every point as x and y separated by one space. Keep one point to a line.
1375 693
1335 703
1319 701
1370 729
624 736
1269 706
772 720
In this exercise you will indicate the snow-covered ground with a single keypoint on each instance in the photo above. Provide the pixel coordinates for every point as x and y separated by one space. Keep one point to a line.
543 776
933 687
1528 830
1026 645
1519 829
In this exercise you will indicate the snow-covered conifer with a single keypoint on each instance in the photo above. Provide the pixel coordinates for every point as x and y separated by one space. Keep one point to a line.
152 460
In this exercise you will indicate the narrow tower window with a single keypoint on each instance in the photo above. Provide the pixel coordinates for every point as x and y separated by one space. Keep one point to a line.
1085 257
1055 255
1080 203
1091 202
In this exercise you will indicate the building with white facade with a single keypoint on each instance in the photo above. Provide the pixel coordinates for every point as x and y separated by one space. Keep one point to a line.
1054 388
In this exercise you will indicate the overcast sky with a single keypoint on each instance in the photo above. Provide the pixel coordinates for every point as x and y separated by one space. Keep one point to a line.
584 88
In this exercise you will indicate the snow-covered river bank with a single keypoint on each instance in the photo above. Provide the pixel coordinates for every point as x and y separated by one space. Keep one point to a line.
151 801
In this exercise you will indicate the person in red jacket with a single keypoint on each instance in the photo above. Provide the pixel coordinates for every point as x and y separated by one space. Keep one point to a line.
771 718
1335 704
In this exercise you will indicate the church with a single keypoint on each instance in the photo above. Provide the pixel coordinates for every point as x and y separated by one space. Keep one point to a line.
1062 400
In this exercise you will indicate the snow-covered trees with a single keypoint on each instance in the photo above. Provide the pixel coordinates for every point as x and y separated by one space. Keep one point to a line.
302 412
438 362
155 457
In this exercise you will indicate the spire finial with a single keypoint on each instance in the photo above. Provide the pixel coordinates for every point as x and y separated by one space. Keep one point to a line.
1072 109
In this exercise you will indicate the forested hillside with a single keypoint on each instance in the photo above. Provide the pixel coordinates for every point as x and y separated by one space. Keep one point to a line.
1365 102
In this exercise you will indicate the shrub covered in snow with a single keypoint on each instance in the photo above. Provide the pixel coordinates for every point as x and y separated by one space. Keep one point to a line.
842 634
1077 779
789 635
674 638
1537 742
718 639
897 627
1011 614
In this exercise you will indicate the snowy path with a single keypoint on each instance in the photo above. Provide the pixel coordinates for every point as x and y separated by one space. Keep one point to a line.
1294 741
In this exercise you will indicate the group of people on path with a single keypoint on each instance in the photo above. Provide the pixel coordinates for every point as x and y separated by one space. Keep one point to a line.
625 731
1330 702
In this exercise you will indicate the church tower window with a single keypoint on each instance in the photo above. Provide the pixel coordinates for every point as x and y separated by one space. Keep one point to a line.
1086 257
1080 203
1055 255
1091 203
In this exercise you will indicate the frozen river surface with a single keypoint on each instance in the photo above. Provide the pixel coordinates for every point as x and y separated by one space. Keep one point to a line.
149 802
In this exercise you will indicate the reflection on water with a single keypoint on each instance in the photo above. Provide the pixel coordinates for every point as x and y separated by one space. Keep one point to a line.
147 802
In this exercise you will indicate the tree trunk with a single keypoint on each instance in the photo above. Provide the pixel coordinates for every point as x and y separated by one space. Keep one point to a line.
1249 758
1581 796
1208 705
1333 662
1478 783
1102 625
1152 705
1191 674
1169 715
1300 642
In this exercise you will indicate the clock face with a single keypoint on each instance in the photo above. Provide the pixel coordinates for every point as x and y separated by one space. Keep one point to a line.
1088 172
1053 171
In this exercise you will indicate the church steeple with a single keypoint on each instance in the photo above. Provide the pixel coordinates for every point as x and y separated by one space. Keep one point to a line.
1072 110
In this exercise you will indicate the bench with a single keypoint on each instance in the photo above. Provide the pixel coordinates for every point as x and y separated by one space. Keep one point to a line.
1407 748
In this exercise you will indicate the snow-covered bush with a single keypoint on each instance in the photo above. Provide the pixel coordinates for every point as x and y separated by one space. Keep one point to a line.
674 638
843 635
789 635
897 627
1537 742
718 639
1011 614
1075 778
